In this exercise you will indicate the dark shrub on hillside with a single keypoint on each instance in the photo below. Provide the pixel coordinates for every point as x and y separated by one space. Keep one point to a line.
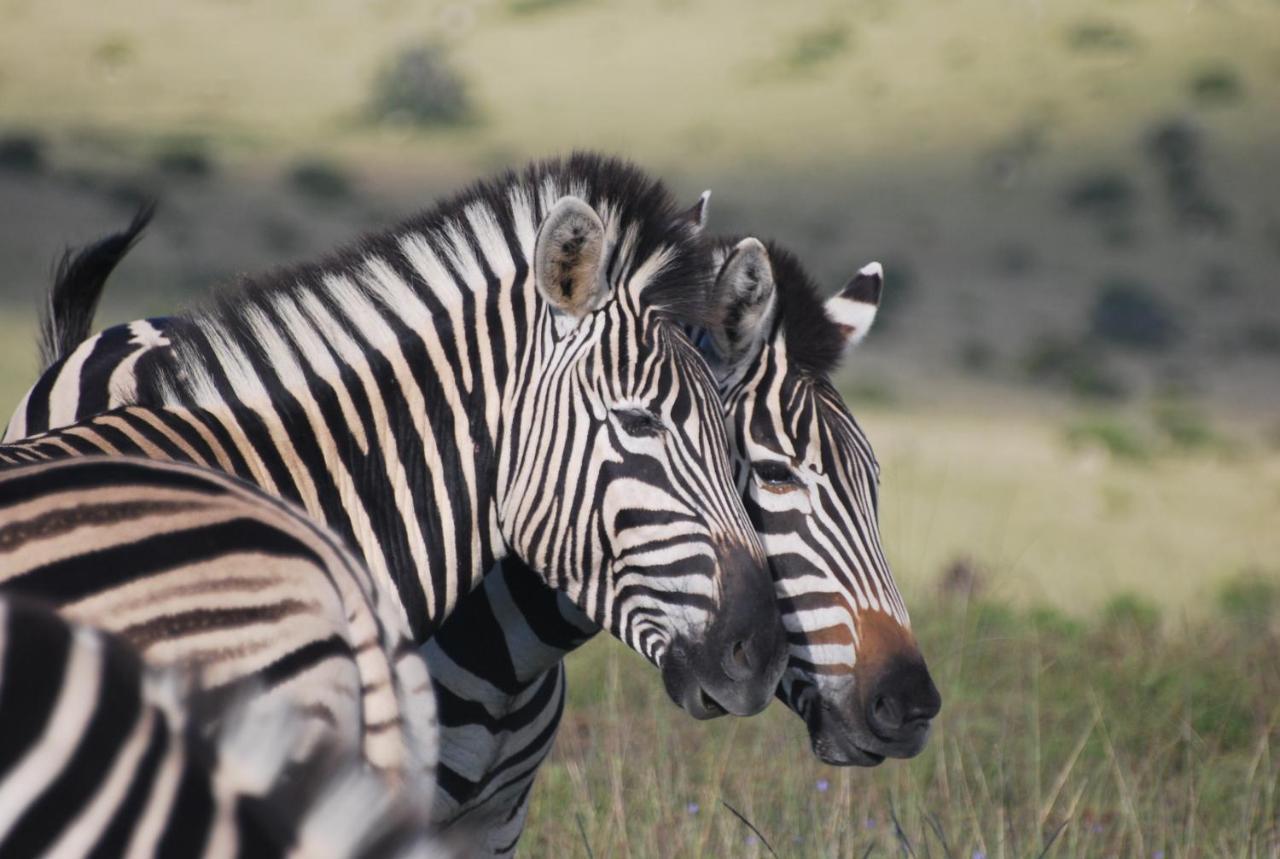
1101 37
1105 194
1176 148
320 180
533 7
1262 337
21 153
421 88
1120 439
186 158
1128 313
815 47
1216 85
977 356
1250 599
1077 367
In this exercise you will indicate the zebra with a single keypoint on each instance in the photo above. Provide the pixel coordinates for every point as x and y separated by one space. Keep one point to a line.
504 373
496 661
809 479
104 754
191 567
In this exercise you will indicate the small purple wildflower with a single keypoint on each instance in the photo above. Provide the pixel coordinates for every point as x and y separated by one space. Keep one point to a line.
1095 828
752 840
870 823
1158 854
693 808
823 785
978 854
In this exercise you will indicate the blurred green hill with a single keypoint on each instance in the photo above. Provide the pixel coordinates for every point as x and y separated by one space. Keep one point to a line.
1078 198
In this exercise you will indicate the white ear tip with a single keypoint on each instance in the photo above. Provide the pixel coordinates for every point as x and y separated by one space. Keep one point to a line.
750 244
872 269
705 196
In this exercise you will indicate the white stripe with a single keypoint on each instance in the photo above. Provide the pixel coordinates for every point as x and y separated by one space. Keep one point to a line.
51 753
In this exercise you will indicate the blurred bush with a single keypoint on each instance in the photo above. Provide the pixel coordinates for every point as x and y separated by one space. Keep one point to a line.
977 356
1079 367
1250 600
185 157
419 87
1177 149
115 51
1101 37
1119 439
1261 337
1216 85
320 180
1105 194
1127 312
1131 614
1185 427
22 152
815 47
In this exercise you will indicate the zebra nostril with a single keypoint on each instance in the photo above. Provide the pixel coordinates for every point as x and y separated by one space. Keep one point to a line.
740 657
886 715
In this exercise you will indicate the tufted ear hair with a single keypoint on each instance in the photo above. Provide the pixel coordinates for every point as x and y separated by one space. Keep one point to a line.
854 307
696 215
568 258
746 299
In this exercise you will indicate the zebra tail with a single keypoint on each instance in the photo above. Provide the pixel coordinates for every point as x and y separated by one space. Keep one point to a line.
77 287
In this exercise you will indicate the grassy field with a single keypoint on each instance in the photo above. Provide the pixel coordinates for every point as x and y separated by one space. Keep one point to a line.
1060 736
1073 387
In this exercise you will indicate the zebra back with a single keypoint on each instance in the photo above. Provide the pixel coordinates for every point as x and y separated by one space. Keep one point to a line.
192 567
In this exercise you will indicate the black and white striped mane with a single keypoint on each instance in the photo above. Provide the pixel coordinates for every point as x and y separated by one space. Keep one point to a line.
631 203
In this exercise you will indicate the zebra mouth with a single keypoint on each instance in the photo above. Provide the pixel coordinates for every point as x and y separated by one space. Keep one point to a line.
709 704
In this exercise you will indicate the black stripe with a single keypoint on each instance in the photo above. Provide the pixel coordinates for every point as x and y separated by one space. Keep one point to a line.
35 664
115 838
190 820
309 655
76 578
115 715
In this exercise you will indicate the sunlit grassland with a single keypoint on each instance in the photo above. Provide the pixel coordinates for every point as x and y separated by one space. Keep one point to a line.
690 80
1091 737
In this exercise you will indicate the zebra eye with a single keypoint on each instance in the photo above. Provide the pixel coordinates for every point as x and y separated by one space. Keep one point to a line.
775 476
640 422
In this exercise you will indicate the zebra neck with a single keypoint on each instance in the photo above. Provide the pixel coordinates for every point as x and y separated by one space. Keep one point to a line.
505 635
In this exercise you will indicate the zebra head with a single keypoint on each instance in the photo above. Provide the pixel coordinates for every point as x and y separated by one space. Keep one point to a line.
620 488
809 480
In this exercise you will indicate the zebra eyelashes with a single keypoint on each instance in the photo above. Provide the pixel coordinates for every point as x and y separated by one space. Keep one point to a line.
776 476
640 423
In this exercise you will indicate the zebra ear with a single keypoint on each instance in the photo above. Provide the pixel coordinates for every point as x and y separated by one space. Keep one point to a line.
696 215
568 256
854 307
746 297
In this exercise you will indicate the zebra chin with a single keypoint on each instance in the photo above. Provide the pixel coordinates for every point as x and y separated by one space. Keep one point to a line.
733 665
885 716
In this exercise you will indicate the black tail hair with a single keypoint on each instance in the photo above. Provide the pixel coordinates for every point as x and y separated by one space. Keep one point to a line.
77 287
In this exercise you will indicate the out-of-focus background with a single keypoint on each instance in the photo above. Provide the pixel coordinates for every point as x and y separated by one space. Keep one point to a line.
1074 385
